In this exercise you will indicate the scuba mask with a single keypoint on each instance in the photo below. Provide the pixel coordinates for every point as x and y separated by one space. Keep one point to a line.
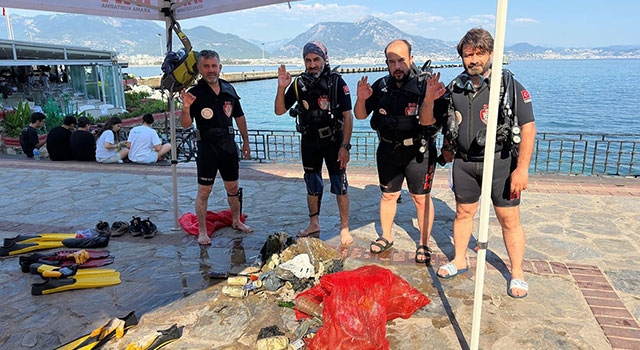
464 82
311 81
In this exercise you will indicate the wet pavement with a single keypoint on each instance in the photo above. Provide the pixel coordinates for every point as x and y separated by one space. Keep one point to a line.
582 259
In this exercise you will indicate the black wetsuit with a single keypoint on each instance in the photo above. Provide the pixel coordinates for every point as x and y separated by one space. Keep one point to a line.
320 121
395 118
217 149
472 110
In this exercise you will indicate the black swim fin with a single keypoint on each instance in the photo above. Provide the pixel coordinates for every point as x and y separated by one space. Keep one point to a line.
165 337
23 243
116 327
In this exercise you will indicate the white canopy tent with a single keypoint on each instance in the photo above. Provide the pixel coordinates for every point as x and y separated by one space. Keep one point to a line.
157 10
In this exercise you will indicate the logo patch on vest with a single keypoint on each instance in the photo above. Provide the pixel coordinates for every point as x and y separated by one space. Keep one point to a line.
458 117
228 108
323 102
206 113
411 110
484 113
345 88
525 96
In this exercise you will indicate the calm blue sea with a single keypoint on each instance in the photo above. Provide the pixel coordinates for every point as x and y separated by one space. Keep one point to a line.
587 96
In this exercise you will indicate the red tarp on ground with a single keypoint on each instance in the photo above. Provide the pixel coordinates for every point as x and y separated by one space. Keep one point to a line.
215 220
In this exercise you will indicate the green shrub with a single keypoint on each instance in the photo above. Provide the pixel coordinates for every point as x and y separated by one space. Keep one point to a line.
54 115
134 98
17 119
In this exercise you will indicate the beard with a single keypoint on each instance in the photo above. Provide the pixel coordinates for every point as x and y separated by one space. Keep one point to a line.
404 79
316 73
478 69
211 79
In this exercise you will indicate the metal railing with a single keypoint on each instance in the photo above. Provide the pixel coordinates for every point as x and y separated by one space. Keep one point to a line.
554 153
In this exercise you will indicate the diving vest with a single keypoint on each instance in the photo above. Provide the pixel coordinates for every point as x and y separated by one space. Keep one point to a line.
386 120
316 99
508 131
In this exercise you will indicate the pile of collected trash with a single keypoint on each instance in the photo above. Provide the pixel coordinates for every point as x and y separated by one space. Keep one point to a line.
336 309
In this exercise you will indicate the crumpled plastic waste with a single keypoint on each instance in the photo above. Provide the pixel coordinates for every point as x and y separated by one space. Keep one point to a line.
272 338
270 281
317 250
300 266
87 233
357 304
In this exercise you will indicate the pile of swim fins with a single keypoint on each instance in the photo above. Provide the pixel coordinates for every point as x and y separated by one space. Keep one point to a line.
68 270
118 327
28 243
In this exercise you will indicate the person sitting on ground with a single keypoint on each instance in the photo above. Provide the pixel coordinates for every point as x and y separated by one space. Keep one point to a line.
29 135
144 143
58 139
108 147
83 142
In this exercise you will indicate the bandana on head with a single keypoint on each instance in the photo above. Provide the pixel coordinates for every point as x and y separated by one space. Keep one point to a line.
315 47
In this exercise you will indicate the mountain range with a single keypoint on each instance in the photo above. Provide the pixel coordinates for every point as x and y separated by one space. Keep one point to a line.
363 39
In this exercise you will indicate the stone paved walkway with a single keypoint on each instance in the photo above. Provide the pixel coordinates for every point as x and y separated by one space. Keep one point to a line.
581 259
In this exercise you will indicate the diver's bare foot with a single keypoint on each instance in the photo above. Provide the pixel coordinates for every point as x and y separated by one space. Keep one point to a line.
203 239
345 237
312 230
239 226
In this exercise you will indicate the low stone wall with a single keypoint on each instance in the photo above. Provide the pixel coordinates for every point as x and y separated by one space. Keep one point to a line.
154 82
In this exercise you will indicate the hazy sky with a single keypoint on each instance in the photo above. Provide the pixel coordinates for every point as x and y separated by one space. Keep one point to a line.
557 23
575 23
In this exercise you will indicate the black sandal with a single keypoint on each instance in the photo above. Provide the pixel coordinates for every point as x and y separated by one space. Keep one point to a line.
383 248
423 255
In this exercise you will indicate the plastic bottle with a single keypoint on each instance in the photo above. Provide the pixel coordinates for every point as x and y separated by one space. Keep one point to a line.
308 306
36 154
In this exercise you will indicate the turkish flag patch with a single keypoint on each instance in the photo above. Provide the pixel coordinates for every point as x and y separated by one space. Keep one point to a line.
345 89
525 96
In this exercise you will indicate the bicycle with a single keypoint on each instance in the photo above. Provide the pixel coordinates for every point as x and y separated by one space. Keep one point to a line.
186 146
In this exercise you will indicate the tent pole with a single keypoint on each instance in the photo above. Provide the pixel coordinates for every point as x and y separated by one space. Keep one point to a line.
487 175
172 123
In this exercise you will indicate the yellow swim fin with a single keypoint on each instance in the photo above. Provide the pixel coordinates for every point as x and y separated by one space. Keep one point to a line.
39 238
115 327
19 248
54 285
50 271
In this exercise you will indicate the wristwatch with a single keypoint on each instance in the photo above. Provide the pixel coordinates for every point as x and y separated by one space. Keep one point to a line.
346 146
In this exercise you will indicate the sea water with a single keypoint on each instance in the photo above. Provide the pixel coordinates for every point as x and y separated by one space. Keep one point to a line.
569 96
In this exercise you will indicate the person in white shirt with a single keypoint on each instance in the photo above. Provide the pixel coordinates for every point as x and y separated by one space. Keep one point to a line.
109 149
144 143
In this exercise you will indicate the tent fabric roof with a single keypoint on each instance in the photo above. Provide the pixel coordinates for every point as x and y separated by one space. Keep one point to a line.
139 9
